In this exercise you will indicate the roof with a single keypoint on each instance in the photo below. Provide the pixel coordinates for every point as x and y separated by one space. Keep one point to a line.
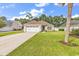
32 25
33 22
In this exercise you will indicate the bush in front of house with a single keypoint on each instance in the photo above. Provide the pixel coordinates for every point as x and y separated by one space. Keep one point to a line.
61 29
75 32
16 29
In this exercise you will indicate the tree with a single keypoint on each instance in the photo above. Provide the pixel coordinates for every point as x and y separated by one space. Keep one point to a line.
29 16
56 20
67 31
36 18
50 19
76 18
3 18
16 19
43 17
3 21
21 20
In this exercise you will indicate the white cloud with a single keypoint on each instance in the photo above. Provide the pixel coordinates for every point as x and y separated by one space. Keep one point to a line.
7 6
56 4
36 12
76 15
23 12
41 4
18 17
76 4
59 4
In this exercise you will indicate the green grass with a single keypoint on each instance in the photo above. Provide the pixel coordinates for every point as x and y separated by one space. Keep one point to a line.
9 33
46 44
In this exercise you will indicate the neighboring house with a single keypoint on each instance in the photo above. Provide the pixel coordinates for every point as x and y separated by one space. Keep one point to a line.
16 25
6 29
37 26
74 25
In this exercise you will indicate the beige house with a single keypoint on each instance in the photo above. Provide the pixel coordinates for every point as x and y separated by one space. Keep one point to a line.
37 26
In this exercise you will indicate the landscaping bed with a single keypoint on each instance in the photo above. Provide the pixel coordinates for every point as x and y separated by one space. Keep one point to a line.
75 33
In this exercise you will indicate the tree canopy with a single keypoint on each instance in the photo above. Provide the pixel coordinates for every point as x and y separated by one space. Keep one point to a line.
76 18
56 20
3 21
21 20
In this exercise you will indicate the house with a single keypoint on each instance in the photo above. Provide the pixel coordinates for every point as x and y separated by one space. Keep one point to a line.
6 29
37 26
74 25
16 25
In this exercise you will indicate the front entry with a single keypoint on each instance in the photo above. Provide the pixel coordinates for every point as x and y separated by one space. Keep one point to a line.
43 28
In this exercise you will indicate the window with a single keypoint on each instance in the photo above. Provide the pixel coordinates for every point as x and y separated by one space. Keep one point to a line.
49 28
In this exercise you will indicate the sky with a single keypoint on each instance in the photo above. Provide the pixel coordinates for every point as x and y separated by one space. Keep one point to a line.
19 10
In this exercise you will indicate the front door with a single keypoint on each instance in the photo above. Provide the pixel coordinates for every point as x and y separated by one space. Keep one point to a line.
43 28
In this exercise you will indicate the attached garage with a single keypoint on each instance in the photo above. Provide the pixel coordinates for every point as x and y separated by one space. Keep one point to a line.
32 28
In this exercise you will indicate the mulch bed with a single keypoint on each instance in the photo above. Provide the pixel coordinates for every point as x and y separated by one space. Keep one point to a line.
69 44
73 35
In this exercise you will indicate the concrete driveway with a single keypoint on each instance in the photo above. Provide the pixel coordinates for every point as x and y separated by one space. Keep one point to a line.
11 42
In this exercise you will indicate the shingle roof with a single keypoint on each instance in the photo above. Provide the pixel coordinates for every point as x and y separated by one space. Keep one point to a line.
33 22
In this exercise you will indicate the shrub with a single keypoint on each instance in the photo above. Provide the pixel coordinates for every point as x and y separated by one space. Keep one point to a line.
61 29
75 32
17 29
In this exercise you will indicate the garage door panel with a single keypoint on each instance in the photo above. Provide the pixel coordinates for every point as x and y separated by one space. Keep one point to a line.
33 29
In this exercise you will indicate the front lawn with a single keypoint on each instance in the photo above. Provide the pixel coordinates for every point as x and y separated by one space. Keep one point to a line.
46 44
9 33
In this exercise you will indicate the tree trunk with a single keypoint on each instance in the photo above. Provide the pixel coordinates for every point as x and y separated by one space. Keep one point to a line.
67 31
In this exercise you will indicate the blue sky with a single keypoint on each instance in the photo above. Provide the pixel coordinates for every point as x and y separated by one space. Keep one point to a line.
19 10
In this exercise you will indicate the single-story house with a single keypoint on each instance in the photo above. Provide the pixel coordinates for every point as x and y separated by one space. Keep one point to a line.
37 26
74 25
15 25
6 29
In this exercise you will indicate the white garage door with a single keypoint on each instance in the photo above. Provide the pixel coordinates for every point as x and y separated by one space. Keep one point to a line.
33 29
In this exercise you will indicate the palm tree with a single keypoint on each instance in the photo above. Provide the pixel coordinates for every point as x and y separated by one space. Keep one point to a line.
29 16
67 31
